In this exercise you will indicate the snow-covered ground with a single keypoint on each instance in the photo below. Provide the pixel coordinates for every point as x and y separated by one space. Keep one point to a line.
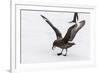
37 37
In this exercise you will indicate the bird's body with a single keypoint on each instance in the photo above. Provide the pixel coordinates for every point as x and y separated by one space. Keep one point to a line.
65 42
61 44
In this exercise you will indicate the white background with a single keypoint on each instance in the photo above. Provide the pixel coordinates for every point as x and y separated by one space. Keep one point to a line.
37 37
5 37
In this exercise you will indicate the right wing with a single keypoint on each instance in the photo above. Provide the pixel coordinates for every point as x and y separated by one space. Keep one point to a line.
72 31
58 34
75 18
68 34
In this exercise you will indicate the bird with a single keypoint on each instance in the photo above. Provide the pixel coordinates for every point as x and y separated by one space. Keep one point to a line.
75 17
66 41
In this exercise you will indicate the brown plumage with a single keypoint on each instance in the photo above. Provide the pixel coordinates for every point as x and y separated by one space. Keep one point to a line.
64 43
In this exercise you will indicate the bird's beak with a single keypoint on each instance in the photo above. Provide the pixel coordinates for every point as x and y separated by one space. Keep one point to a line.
53 47
74 44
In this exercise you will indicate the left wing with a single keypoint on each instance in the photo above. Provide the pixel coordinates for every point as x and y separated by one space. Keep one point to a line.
57 32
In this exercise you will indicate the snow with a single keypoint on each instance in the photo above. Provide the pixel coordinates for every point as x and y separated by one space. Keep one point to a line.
38 36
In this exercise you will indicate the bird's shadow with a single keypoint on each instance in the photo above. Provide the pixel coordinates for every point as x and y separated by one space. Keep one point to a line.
8 70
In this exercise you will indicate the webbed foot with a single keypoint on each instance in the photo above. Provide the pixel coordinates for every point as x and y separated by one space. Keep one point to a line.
59 54
64 55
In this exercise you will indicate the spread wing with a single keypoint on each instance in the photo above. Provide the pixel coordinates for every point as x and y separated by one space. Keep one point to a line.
75 17
58 34
72 31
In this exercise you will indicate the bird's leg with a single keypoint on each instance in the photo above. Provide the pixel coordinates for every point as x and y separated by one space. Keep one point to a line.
60 53
65 53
